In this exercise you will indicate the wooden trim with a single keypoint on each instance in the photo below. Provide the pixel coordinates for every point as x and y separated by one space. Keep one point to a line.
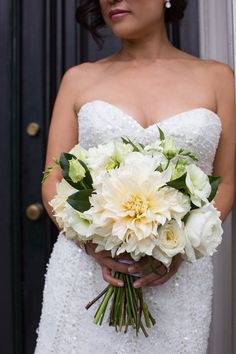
16 237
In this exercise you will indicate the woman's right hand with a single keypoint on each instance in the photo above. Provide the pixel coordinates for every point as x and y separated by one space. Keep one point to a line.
108 263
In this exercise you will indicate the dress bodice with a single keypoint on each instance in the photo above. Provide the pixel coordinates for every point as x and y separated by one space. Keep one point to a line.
197 130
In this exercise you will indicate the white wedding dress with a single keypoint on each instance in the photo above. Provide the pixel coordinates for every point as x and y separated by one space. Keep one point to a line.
181 306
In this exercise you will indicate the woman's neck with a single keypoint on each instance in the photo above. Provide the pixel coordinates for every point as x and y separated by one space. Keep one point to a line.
148 48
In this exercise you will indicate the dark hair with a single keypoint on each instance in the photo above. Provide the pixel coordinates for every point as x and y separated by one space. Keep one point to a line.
89 15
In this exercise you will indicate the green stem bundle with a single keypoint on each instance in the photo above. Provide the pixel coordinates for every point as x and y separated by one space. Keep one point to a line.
127 306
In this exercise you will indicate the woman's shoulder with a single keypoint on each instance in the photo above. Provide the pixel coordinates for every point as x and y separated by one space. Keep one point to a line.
78 78
79 72
198 63
210 71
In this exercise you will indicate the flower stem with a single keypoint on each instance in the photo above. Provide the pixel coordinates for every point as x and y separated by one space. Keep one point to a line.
97 298
103 304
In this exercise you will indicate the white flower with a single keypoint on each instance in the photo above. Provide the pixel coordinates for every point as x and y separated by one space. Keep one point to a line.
149 161
76 221
198 184
130 206
179 169
58 203
79 152
178 203
169 147
172 241
108 156
203 231
76 170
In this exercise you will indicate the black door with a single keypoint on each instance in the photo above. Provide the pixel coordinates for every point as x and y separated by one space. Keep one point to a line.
39 42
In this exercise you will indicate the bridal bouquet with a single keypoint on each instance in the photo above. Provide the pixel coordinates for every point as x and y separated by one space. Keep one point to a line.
151 201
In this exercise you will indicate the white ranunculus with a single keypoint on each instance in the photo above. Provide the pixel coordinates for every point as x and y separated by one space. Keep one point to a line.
79 152
58 203
203 231
172 241
198 184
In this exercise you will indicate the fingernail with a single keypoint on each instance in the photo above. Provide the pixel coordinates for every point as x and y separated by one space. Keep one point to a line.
120 283
131 269
136 285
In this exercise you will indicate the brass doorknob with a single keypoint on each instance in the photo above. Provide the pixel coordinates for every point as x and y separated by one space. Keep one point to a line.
33 129
34 211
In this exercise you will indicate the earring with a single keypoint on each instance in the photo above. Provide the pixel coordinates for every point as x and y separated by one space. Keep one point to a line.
168 4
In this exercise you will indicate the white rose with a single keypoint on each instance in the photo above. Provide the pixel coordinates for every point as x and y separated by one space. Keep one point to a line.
172 241
203 231
198 184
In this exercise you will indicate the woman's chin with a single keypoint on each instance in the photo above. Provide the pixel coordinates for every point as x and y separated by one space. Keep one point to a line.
125 33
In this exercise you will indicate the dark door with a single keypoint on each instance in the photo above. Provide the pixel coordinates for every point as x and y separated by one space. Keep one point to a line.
39 42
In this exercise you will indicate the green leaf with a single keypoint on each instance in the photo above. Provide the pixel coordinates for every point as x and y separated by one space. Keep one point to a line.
128 141
178 183
214 182
57 162
188 153
87 181
46 172
80 200
161 133
159 168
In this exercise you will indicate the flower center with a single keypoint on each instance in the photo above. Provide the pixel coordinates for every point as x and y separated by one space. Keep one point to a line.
170 238
135 205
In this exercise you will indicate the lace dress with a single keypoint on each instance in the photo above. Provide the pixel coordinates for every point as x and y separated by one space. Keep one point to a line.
182 306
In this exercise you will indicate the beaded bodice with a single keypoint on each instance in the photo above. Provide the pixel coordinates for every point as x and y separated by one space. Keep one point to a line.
197 130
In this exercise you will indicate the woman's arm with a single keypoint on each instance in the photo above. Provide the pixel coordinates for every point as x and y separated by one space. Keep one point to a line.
63 133
224 164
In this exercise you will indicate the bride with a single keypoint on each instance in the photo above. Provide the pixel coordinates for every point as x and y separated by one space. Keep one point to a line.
147 81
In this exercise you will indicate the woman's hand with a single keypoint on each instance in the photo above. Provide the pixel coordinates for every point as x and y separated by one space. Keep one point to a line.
151 278
108 263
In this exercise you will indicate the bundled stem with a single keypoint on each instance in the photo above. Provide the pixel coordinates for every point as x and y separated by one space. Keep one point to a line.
127 306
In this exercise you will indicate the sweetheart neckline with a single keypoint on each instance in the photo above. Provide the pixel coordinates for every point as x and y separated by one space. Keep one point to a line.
124 114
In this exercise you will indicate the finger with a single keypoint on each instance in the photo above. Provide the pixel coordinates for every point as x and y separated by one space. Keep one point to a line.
107 276
143 265
165 277
115 265
124 256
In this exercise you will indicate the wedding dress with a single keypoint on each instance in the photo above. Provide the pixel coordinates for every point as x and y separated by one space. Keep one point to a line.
182 306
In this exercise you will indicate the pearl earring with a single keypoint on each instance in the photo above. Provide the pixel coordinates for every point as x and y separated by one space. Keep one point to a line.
168 4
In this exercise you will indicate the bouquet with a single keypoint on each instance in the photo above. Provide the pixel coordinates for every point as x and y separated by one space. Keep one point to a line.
151 201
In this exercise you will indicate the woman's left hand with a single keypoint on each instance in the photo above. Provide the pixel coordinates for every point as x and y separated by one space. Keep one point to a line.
151 278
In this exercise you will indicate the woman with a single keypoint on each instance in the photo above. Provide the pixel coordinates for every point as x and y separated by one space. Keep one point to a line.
148 81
